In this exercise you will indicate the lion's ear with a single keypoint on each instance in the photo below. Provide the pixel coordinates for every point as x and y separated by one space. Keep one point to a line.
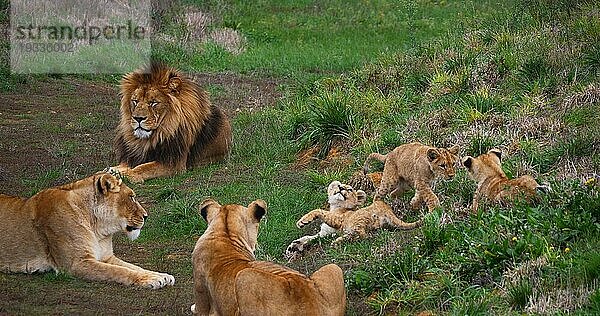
496 152
468 162
174 83
207 209
257 210
432 154
108 183
454 149
362 197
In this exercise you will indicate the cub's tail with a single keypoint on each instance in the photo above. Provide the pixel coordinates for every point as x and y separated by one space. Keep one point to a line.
402 225
377 156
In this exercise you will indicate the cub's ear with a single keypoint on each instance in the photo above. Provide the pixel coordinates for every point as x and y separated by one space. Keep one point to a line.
468 162
333 188
362 197
496 152
174 83
208 208
108 183
432 154
454 149
257 210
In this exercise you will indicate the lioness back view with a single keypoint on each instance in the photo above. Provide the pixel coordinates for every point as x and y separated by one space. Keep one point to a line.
493 184
229 281
415 165
167 125
69 228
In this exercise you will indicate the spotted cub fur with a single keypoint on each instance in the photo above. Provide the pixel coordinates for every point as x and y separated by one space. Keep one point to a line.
344 217
415 165
494 185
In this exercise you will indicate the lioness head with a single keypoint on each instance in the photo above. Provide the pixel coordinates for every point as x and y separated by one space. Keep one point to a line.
442 161
344 196
484 165
117 205
238 221
149 98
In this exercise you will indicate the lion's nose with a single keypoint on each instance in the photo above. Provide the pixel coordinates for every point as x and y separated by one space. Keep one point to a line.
139 119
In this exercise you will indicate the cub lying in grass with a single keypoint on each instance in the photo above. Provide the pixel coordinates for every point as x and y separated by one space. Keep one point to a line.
494 185
344 217
229 281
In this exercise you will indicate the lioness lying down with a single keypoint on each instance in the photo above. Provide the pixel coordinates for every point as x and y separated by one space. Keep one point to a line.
229 281
69 228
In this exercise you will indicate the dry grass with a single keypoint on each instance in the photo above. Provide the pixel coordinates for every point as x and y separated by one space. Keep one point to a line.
560 300
201 27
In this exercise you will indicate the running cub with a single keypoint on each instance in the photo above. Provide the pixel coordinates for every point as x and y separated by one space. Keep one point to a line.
415 165
344 217
494 185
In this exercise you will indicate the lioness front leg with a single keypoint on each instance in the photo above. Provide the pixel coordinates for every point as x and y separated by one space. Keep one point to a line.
116 261
151 170
93 269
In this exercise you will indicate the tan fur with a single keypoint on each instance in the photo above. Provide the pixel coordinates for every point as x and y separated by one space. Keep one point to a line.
415 166
69 228
367 182
229 281
344 217
493 184
178 128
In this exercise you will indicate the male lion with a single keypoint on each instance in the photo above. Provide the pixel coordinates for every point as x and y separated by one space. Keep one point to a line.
69 228
494 185
229 281
415 165
167 125
345 216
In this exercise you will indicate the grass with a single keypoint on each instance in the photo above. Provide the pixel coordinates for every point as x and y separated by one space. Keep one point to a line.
367 76
300 38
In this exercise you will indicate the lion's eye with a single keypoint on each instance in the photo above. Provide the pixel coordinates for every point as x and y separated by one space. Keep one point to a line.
134 102
443 166
153 103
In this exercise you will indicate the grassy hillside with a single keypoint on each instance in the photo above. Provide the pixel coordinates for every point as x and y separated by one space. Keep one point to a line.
362 76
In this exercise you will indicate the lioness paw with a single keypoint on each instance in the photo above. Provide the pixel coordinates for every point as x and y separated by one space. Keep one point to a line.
158 280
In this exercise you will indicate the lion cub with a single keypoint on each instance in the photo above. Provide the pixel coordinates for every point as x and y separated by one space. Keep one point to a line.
343 216
229 281
494 185
415 165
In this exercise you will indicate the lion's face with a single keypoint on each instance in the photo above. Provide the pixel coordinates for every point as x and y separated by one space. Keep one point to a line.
149 106
241 223
443 161
118 201
484 165
344 196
